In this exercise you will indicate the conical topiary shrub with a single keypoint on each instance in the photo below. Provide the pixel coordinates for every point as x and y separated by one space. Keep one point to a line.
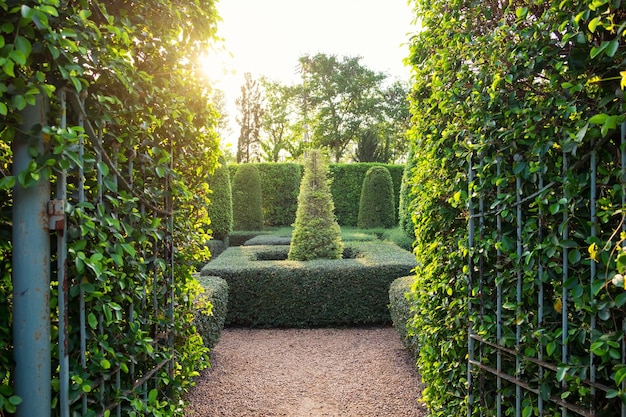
377 207
221 208
247 200
316 233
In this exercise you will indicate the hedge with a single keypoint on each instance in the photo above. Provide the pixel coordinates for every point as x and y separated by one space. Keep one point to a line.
347 180
401 313
280 200
247 199
377 205
276 293
209 324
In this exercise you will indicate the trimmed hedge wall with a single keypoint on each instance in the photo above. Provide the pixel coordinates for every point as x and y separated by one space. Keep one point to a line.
400 310
280 195
276 293
247 199
347 180
210 326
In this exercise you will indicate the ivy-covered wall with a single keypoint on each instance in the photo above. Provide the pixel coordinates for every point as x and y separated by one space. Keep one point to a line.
145 156
514 106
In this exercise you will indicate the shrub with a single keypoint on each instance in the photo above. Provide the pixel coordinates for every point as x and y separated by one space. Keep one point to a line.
316 233
221 207
347 180
400 310
405 209
280 184
376 207
323 292
247 199
209 322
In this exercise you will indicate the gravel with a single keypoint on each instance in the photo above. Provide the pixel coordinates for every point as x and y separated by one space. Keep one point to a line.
308 372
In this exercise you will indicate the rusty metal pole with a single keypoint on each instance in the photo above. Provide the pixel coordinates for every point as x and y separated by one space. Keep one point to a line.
31 272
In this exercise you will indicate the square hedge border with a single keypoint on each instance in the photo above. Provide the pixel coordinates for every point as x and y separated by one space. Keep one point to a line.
318 293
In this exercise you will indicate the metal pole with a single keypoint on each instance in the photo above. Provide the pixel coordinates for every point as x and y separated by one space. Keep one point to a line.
31 272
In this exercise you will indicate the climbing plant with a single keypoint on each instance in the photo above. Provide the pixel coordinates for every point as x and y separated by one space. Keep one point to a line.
132 65
522 95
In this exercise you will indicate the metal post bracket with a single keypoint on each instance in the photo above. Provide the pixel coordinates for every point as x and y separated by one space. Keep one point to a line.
56 213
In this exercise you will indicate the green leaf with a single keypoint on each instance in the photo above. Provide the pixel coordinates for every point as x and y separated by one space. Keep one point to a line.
611 49
15 400
598 118
93 321
561 372
152 396
23 45
105 364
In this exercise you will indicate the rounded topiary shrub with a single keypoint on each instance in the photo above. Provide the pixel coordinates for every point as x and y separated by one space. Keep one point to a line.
316 233
247 200
377 206
221 208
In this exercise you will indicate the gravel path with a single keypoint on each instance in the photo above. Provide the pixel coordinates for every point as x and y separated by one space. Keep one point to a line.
308 372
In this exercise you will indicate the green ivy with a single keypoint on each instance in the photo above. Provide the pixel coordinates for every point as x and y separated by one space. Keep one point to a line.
525 93
131 63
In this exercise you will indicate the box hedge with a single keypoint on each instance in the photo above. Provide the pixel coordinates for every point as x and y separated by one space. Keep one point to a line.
280 184
277 293
400 310
210 326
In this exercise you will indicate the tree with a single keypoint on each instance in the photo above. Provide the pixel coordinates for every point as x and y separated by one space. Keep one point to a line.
316 233
343 97
250 106
278 120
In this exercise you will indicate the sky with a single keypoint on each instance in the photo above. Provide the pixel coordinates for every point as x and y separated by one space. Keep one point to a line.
266 38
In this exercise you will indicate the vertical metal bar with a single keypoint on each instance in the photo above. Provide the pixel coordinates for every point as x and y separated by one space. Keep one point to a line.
31 272
81 301
499 297
541 292
64 368
170 226
481 269
564 236
594 225
623 152
518 330
470 244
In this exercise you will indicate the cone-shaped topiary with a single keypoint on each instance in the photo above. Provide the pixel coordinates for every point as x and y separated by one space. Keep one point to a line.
247 200
405 210
221 207
377 207
316 233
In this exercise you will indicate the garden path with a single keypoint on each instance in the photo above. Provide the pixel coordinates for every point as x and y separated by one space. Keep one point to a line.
351 372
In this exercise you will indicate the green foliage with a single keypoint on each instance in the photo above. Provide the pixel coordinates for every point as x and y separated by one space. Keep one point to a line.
210 309
377 206
401 313
129 62
342 96
247 199
280 200
280 184
250 120
346 185
405 206
323 292
221 208
316 233
496 87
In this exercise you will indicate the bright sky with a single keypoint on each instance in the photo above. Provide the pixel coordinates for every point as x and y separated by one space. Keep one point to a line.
266 38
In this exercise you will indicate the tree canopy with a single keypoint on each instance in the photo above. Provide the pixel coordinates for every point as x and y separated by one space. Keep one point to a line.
340 105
